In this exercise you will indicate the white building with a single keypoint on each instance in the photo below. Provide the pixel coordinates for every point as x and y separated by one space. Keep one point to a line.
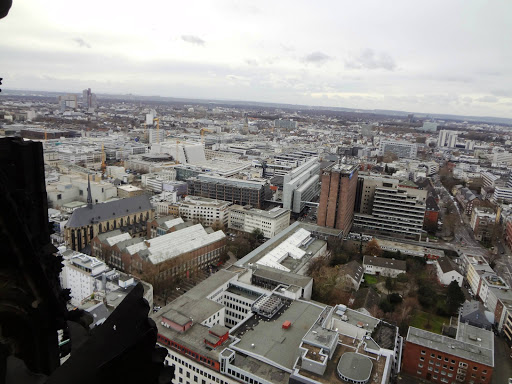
74 188
301 185
502 194
205 210
382 266
399 148
79 275
447 138
447 271
247 219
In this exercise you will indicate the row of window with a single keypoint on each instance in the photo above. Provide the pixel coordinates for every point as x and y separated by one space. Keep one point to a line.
211 378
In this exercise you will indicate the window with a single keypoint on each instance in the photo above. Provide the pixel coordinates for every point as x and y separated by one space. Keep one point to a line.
59 197
422 352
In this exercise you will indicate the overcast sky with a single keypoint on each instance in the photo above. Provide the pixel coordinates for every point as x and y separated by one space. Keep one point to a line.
422 56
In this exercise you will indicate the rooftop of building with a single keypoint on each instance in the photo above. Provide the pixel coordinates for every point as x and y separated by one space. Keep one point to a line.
193 305
198 200
270 214
106 211
384 262
173 244
446 265
268 339
474 344
302 253
129 188
355 366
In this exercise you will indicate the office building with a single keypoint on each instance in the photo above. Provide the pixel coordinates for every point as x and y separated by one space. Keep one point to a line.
236 191
248 219
501 158
489 179
402 149
447 138
227 331
429 126
301 185
205 211
469 358
285 124
156 136
502 194
337 197
89 99
72 188
396 207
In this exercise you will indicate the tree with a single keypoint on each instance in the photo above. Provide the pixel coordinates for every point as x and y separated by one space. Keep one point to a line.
218 226
402 278
395 299
373 248
389 284
454 298
450 221
386 306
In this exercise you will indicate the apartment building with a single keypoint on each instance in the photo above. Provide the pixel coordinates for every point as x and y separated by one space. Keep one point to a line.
482 223
247 219
469 358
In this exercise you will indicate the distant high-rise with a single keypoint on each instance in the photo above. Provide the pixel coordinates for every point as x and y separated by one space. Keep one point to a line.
429 126
88 99
447 138
337 197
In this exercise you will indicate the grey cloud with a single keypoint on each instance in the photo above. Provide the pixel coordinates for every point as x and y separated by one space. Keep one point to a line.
369 59
488 99
317 58
251 62
501 92
81 42
192 39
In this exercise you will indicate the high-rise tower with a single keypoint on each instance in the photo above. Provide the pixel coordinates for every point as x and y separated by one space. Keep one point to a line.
337 197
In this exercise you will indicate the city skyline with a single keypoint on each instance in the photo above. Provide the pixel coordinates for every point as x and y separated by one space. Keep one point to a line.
426 58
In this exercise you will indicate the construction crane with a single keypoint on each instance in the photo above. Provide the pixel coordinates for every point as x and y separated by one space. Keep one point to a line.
157 119
203 130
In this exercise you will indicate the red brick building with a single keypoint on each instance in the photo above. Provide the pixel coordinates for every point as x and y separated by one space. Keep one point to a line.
337 197
176 254
431 214
469 358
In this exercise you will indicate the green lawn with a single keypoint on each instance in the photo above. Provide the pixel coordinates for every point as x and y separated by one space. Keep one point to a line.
370 279
420 320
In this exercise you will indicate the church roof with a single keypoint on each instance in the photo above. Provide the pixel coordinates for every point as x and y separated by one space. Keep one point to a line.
107 211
